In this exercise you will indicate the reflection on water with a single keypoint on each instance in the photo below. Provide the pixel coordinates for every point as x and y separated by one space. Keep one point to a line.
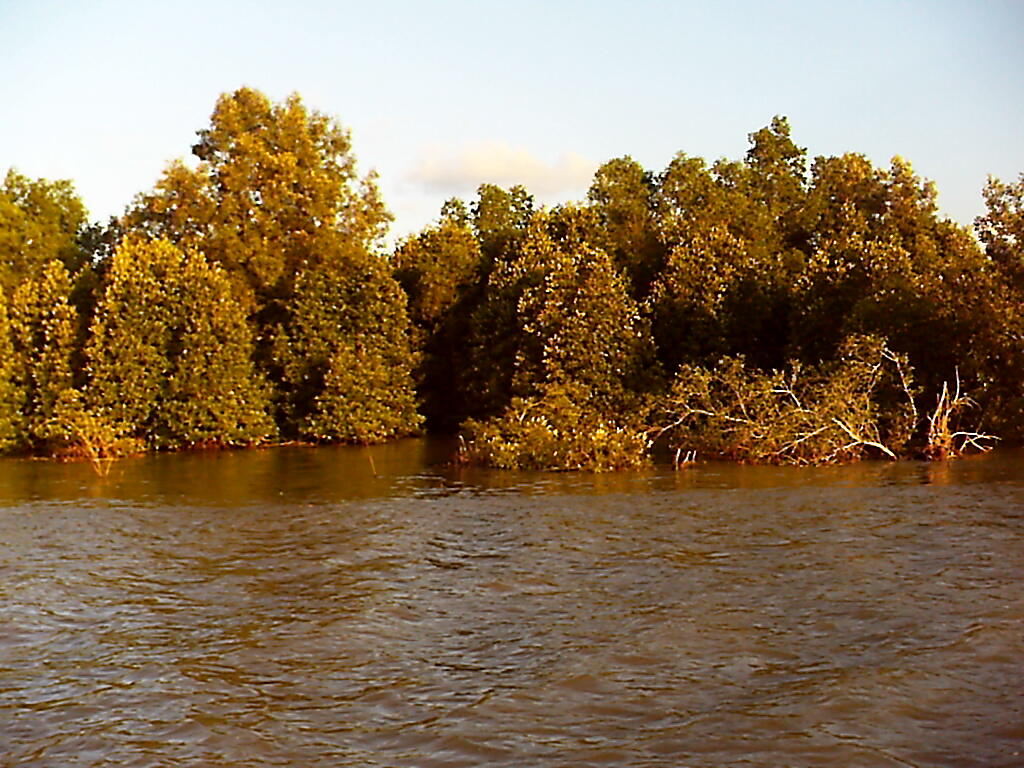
374 607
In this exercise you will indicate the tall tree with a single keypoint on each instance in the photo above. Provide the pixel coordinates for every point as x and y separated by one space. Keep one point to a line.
777 178
621 194
1001 229
500 217
884 262
579 322
434 266
724 287
500 220
579 358
276 187
126 354
214 395
277 202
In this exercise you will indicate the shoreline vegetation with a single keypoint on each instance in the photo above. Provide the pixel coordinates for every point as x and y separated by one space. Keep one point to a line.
772 309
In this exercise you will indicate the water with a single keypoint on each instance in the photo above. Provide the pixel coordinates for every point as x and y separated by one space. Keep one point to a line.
370 607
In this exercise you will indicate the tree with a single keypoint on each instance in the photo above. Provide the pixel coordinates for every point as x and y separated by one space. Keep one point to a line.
777 178
579 358
495 330
169 355
11 390
579 322
621 194
842 288
275 200
39 221
847 194
346 355
274 182
213 395
1001 229
434 267
725 284
127 352
687 304
43 325
555 305
885 263
500 217
688 198
276 190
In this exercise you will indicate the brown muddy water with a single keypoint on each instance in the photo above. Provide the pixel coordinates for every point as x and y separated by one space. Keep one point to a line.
370 607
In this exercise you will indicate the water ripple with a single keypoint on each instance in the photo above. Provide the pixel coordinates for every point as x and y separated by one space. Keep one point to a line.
828 623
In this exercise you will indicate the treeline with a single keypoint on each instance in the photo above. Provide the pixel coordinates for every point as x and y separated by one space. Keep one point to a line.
766 309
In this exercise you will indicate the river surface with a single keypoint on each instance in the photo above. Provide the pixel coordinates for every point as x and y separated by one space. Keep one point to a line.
373 607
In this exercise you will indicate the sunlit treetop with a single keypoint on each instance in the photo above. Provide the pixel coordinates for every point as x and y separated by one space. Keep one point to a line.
40 220
276 188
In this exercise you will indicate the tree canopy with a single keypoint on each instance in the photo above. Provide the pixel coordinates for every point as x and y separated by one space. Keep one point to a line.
275 200
275 189
40 221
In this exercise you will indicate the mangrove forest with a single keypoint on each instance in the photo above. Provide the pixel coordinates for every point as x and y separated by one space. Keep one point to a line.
773 308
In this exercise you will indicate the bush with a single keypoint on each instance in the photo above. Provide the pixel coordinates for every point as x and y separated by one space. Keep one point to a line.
560 430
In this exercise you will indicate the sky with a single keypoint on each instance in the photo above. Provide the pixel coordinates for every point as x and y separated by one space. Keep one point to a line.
441 96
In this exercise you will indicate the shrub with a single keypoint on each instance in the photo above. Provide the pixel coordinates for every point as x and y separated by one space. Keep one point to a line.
559 430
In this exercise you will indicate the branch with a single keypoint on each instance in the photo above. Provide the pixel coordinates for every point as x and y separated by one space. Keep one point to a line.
861 441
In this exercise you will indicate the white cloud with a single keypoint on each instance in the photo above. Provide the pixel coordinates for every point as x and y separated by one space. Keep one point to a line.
461 171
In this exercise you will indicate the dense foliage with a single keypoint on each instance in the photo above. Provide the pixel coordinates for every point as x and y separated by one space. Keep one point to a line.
39 221
169 357
832 275
576 361
346 355
42 323
774 308
11 392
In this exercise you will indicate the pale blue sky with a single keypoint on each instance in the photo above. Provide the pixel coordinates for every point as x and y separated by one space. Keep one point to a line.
441 96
